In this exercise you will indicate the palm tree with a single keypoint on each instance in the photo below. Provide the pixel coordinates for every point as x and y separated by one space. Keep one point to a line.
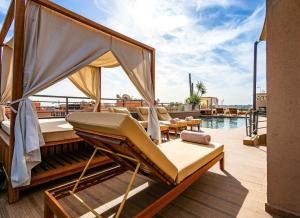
201 89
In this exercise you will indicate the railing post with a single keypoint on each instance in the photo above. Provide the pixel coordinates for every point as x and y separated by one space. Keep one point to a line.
250 123
67 105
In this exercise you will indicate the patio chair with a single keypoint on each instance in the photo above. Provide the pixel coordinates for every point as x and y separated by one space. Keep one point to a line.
176 163
164 129
164 116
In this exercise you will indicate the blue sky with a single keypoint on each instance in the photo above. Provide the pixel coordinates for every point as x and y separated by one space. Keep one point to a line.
212 39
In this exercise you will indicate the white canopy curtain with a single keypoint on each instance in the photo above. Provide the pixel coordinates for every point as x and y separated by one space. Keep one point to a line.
88 81
72 47
6 77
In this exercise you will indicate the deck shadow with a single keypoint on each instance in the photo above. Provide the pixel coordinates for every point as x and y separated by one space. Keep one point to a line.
213 195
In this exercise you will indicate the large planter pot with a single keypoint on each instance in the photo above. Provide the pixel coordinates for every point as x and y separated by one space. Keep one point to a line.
188 107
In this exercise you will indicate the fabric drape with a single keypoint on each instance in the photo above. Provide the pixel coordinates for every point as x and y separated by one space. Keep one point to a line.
55 48
6 77
136 63
87 80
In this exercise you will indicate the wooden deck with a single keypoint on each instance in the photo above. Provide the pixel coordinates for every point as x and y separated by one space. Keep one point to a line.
240 191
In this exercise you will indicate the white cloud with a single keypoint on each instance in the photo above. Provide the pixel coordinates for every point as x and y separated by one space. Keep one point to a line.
191 46
220 55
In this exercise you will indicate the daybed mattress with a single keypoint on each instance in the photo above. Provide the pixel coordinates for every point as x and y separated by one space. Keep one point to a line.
53 129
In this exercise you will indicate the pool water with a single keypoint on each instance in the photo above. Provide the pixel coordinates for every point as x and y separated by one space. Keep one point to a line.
222 122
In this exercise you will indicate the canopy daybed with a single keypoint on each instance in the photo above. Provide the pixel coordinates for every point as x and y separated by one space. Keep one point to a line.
51 43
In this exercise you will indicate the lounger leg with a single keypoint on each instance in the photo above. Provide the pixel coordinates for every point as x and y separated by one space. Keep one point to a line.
168 136
128 187
84 170
47 212
222 164
13 194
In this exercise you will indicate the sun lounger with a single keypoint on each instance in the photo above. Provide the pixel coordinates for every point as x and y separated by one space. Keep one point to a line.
233 111
220 111
164 129
176 163
164 116
176 127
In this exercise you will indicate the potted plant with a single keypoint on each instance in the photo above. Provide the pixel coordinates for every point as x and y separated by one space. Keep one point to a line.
194 100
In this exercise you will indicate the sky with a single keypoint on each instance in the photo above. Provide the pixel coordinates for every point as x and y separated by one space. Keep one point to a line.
211 39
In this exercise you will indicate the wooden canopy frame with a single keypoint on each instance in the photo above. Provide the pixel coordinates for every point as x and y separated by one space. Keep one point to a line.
16 12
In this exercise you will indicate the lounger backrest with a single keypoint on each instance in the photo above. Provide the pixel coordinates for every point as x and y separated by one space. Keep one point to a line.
143 113
220 110
232 110
121 110
121 125
163 114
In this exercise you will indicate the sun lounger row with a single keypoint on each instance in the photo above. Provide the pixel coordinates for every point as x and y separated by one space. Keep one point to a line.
166 121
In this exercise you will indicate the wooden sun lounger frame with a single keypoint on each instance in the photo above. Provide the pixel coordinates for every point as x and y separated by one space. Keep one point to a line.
16 12
104 142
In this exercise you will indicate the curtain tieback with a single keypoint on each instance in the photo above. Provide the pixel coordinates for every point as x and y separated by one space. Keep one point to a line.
14 102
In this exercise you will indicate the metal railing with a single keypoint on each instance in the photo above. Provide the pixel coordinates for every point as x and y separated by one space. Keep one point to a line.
59 106
49 106
253 123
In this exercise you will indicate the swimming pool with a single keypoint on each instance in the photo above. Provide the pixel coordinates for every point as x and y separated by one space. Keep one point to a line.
223 122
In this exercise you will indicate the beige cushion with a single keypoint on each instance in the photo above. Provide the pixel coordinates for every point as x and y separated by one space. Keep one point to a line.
121 110
189 157
123 125
142 112
52 129
163 114
179 124
111 109
162 110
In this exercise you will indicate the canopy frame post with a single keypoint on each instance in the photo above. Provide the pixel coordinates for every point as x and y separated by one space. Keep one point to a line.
152 59
254 85
100 85
17 84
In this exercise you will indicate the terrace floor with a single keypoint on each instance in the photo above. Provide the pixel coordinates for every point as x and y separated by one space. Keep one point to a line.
240 191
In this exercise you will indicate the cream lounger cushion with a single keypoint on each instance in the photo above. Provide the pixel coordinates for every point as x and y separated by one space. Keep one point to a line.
181 123
123 125
121 110
52 129
188 157
124 110
142 112
163 114
176 158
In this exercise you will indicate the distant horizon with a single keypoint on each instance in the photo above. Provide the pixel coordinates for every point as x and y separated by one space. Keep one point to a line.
212 40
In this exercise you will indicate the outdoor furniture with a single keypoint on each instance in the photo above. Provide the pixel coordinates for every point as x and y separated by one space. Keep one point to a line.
164 116
233 111
64 153
164 129
176 127
220 111
176 163
54 33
